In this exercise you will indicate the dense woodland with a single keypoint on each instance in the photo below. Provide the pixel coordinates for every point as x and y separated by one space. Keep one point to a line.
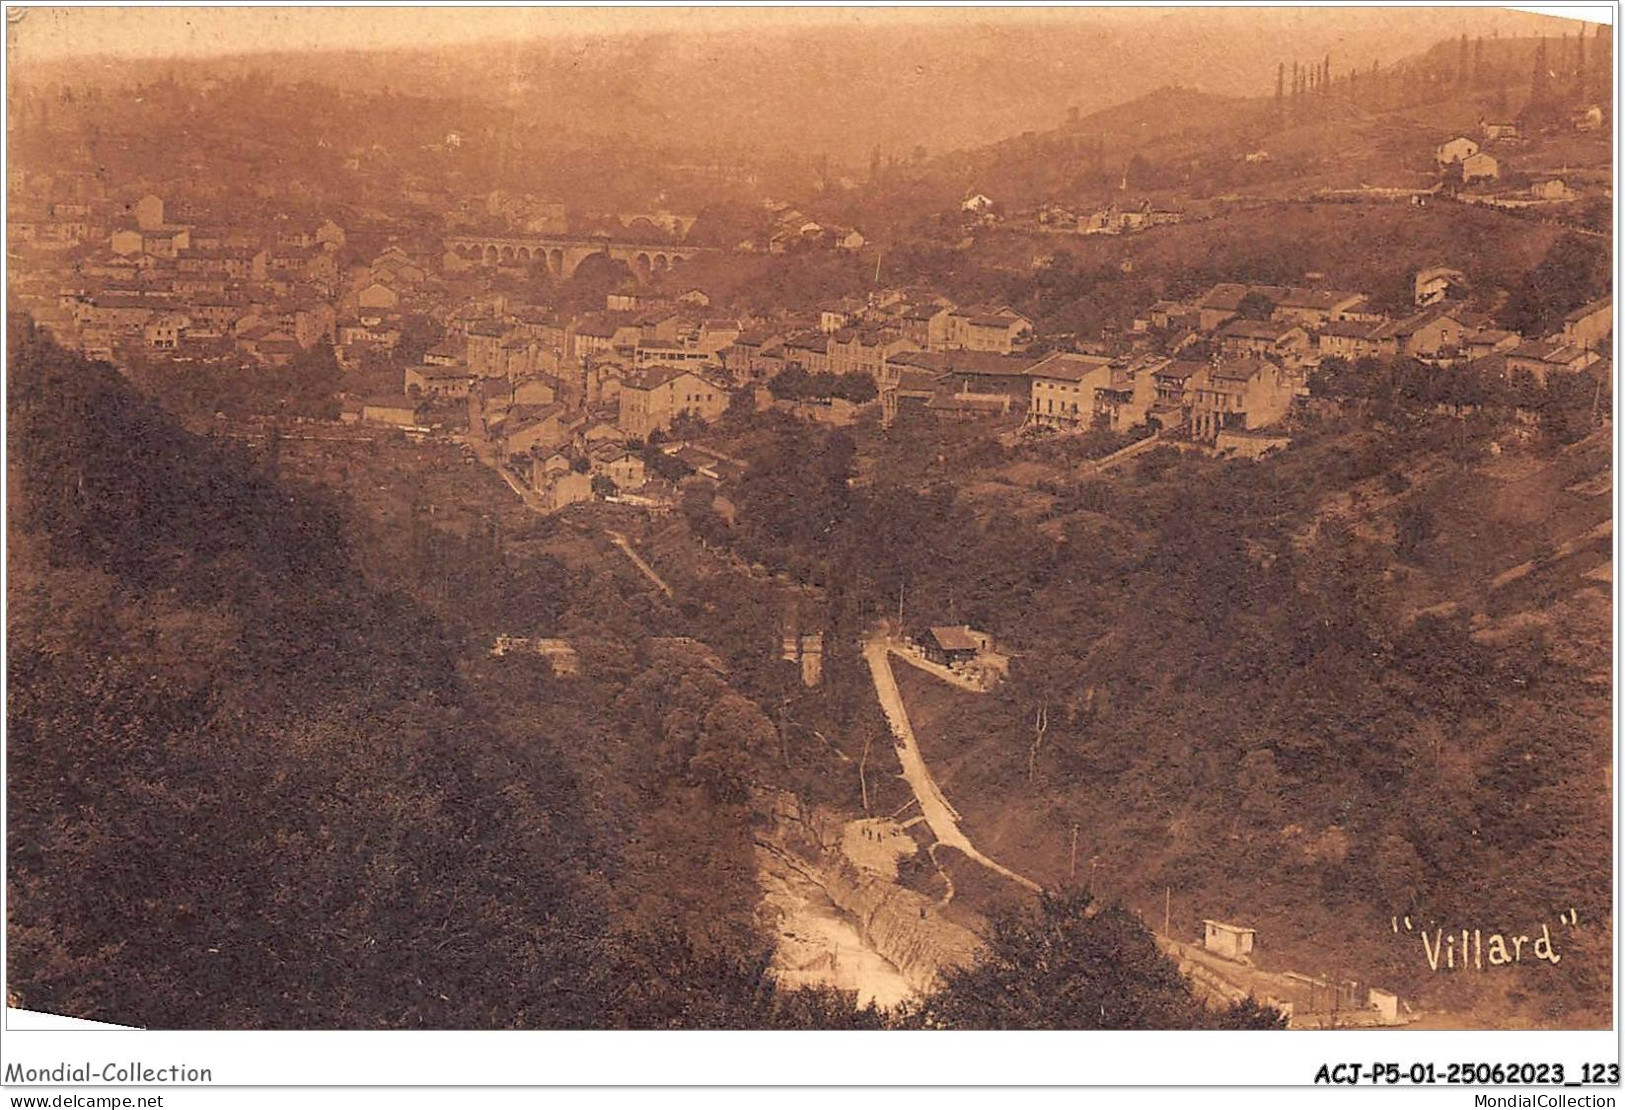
1301 674
251 787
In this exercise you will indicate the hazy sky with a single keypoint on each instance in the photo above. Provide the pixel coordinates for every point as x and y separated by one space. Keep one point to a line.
48 33
161 32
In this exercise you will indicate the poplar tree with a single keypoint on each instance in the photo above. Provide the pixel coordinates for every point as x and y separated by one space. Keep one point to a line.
1540 83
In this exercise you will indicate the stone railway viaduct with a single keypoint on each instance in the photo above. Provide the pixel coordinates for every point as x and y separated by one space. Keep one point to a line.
562 254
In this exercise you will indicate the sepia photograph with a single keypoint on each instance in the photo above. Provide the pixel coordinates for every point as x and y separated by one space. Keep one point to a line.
887 519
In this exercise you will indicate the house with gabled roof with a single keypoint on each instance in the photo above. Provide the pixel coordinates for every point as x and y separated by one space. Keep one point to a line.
651 399
1442 331
1350 339
1455 150
1237 395
1262 337
1591 324
1063 389
1545 357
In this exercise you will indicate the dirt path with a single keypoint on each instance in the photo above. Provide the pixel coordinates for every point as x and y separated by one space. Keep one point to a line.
637 561
938 812
1562 551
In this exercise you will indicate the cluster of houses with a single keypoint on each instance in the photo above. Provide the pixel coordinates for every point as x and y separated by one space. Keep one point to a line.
565 402
562 401
1259 343
1468 162
1116 218
1464 156
790 230
133 281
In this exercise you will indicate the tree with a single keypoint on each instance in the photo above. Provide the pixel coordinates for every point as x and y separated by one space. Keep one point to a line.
1575 270
741 406
1330 379
733 738
1400 873
1255 306
666 981
1413 529
1540 85
1068 963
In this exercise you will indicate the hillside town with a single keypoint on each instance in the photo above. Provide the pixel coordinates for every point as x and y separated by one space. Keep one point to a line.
566 401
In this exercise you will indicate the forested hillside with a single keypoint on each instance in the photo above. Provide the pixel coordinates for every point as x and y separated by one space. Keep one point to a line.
1352 682
244 789
252 787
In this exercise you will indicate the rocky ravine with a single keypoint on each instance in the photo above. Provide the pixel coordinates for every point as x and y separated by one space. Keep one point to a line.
817 880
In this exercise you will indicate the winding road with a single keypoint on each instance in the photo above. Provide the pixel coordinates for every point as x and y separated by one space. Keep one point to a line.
939 813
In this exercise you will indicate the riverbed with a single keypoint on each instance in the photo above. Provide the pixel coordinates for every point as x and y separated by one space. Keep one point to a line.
817 944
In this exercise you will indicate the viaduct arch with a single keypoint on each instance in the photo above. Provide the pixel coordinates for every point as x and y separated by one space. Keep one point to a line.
562 255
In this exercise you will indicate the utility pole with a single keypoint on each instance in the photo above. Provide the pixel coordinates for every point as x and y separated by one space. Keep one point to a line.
1072 870
1167 907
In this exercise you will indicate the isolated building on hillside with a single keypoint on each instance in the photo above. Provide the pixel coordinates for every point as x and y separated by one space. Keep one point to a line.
1456 150
1479 167
1552 189
951 645
1233 942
